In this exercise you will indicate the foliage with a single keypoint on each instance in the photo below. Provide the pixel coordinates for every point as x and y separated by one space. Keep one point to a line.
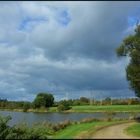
26 106
61 125
84 100
22 132
88 120
63 105
107 101
43 100
60 106
4 103
4 128
131 47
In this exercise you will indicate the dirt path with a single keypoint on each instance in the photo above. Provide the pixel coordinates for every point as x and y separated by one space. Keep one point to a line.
113 132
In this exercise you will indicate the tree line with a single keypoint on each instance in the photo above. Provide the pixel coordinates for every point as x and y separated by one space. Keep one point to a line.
46 100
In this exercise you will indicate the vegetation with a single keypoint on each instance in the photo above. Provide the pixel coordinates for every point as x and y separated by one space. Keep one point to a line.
131 47
134 130
4 103
63 105
87 128
45 103
26 106
109 108
22 132
43 100
40 130
62 130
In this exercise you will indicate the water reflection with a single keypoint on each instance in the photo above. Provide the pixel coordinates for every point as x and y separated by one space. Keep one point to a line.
30 118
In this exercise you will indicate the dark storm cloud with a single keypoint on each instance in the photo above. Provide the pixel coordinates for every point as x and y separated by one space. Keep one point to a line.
90 35
66 46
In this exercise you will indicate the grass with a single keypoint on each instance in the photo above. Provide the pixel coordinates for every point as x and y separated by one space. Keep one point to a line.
111 108
89 108
134 130
74 131
52 109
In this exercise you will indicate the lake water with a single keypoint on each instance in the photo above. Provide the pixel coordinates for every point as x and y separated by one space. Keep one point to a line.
30 117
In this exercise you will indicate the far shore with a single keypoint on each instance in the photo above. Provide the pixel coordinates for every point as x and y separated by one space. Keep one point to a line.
84 109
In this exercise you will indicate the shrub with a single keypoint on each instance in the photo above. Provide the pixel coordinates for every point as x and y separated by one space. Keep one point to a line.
26 106
61 125
21 132
4 128
63 105
86 120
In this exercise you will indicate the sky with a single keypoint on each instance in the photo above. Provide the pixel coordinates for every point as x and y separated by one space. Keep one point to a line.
65 48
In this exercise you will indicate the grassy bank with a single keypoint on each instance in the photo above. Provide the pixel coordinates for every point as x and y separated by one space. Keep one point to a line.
83 130
134 130
110 108
63 130
88 108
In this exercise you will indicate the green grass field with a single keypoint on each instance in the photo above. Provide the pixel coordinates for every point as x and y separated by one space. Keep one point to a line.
75 130
90 108
134 130
111 108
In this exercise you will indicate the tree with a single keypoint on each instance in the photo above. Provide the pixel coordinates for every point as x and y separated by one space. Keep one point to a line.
26 106
43 100
84 100
131 47
107 101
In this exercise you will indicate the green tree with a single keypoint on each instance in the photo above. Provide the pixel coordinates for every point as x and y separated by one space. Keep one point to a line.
43 100
84 100
131 47
108 99
26 106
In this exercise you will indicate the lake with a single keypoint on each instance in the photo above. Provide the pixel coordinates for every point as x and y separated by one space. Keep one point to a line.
30 117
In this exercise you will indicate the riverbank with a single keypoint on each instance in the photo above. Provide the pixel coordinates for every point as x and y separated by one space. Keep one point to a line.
134 130
62 130
86 109
84 130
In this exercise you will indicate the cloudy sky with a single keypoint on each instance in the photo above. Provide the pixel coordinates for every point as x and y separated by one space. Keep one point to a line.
64 47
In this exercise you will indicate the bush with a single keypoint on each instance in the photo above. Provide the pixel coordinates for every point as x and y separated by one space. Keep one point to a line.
4 128
87 120
26 106
61 125
63 105
22 132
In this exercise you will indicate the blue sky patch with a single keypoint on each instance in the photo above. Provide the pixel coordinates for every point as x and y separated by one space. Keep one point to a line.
64 18
132 21
29 23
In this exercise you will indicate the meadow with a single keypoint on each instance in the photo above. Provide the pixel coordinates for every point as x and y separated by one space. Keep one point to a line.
103 108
